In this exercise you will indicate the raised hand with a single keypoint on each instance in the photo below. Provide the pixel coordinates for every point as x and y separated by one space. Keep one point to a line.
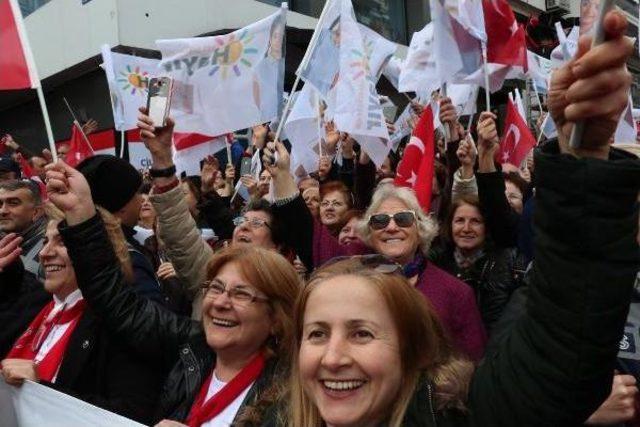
259 136
251 184
9 250
157 140
593 87
210 169
324 167
166 271
229 173
467 154
620 405
333 136
90 126
69 191
283 162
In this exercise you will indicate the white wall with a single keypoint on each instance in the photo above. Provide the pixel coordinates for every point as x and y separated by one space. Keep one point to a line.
64 32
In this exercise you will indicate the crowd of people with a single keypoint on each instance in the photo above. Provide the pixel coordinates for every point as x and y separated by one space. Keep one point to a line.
335 299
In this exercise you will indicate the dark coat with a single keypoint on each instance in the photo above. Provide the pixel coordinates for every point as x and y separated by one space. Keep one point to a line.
555 366
174 344
105 372
22 296
493 278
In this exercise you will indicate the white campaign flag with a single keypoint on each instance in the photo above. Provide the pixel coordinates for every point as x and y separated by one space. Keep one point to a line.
567 47
302 128
392 71
539 70
323 66
127 77
548 127
357 106
418 72
403 127
463 97
378 50
35 405
456 43
228 82
626 131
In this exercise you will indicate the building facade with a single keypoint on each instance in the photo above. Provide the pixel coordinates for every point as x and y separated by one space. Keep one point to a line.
66 36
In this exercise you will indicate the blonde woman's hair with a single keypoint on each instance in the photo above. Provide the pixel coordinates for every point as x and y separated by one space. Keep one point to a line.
424 348
427 226
114 231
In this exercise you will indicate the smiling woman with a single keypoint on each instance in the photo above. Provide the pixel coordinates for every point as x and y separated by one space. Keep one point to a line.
223 370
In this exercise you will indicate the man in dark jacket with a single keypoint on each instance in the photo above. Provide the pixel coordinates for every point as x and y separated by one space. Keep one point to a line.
115 186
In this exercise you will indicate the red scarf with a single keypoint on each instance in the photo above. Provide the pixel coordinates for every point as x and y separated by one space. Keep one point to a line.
202 411
29 343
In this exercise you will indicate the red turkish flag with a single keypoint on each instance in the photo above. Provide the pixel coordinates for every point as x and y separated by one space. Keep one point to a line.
415 170
27 172
517 140
79 147
15 69
505 38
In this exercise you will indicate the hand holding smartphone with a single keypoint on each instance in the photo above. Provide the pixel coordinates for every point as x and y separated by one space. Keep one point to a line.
159 100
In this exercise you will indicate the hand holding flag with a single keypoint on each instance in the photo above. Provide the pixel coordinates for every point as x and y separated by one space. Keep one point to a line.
157 140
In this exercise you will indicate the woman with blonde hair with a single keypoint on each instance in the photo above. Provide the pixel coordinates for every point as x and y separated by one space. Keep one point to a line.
396 227
222 370
67 346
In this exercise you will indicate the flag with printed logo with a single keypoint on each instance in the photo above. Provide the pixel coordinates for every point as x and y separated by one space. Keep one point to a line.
128 79
302 129
228 82
377 49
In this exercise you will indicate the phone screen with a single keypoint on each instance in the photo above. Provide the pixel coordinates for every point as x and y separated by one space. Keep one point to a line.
158 102
245 166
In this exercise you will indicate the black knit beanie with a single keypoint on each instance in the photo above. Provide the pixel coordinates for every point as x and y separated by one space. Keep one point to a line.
113 181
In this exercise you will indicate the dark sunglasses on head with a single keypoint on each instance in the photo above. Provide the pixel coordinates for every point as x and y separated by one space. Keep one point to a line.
402 219
377 262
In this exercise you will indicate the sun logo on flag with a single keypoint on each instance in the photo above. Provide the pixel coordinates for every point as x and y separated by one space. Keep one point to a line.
135 80
359 64
231 54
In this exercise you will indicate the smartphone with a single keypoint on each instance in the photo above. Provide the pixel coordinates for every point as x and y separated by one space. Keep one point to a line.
245 166
159 100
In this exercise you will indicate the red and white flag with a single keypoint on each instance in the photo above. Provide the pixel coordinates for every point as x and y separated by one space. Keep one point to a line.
415 170
517 140
191 148
17 69
506 46
79 147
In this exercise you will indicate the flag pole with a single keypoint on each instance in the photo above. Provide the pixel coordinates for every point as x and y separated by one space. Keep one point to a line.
121 151
485 68
76 122
447 128
33 74
303 64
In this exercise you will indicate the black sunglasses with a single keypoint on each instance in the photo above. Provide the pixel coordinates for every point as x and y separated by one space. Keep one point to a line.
402 219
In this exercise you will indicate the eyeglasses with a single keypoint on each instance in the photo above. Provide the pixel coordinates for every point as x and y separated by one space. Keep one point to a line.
212 289
253 222
376 262
332 203
402 219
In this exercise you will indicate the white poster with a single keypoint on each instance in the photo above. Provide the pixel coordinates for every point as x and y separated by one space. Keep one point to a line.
35 405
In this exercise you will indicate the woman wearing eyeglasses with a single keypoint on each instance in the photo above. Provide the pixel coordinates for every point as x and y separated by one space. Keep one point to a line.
222 370
395 226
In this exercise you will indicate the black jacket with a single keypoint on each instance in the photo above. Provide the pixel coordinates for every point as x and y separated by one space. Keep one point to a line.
22 296
555 366
173 343
493 278
102 370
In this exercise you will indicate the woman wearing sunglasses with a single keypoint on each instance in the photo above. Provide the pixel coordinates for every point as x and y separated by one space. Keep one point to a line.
221 370
395 226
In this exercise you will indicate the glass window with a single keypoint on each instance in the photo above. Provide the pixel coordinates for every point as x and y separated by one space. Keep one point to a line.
27 7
